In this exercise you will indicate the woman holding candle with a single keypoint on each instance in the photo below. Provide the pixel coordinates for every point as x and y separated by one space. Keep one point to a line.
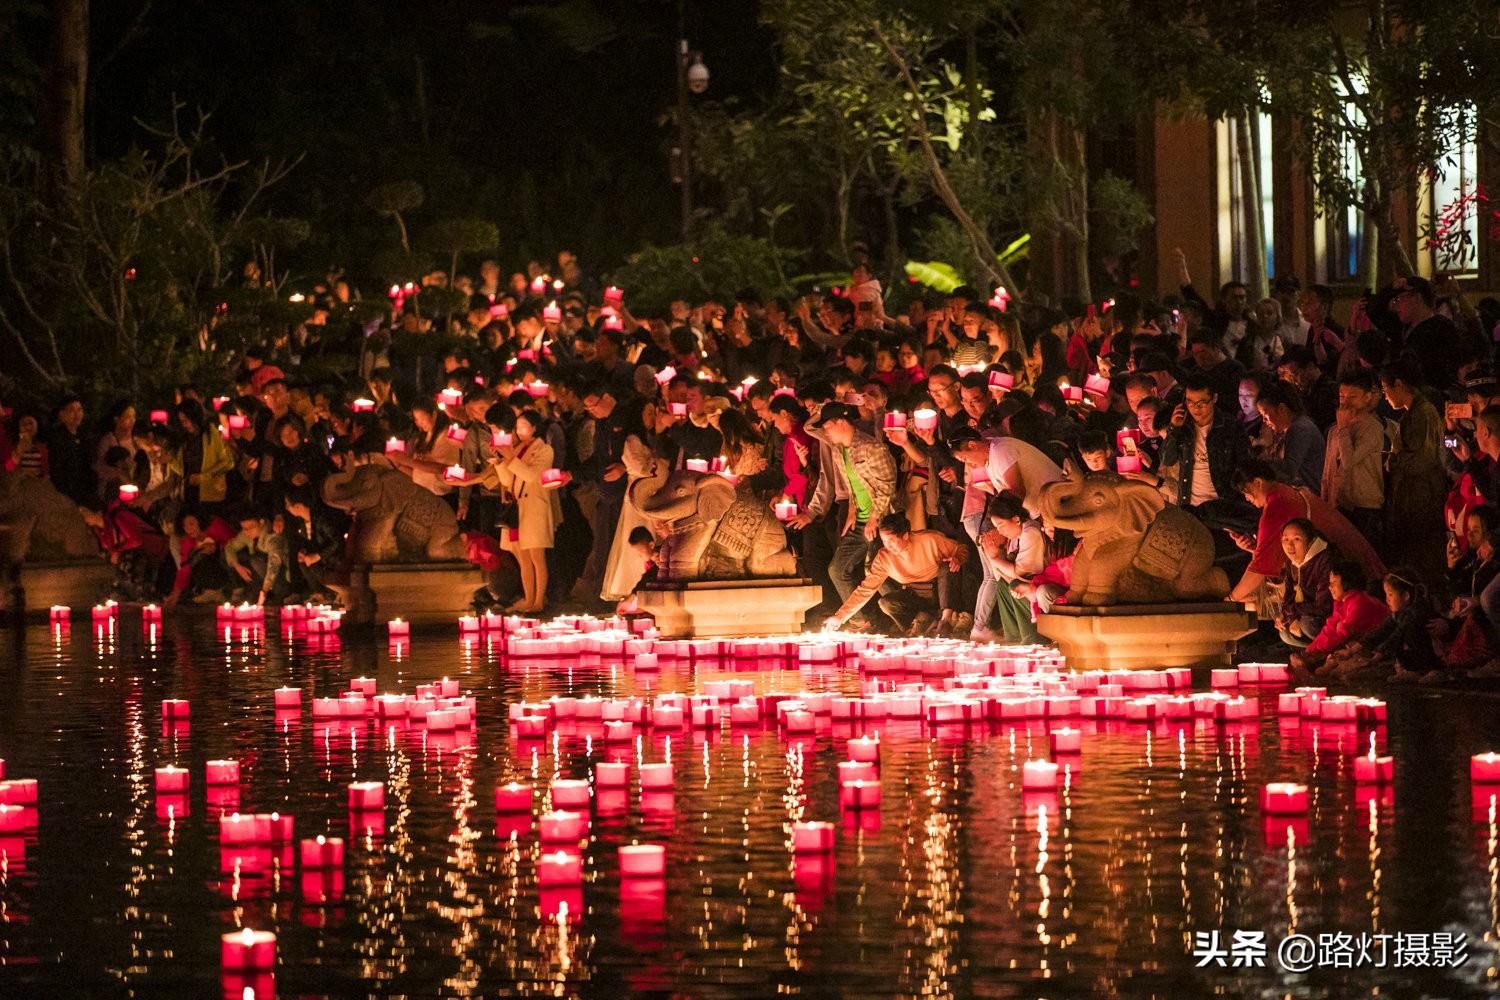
430 452
797 448
518 468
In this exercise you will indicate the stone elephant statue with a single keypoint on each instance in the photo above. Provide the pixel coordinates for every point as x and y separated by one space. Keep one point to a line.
712 531
38 524
1132 547
395 520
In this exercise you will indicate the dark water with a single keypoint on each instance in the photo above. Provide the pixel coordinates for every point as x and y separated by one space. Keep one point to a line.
954 888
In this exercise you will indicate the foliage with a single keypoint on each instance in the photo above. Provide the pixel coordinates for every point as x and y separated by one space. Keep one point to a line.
131 279
1120 215
715 264
453 237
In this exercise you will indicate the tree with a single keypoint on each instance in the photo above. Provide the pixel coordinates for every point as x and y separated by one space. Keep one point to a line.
65 89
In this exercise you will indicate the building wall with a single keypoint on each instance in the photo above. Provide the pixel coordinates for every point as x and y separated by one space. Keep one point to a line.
1184 203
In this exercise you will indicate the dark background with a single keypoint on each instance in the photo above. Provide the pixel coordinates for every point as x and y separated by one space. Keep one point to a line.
548 119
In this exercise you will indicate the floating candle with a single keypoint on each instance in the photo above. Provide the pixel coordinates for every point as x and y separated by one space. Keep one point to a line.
248 950
321 852
812 838
172 780
513 798
643 860
559 868
1283 798
1484 768
221 772
366 795
1039 774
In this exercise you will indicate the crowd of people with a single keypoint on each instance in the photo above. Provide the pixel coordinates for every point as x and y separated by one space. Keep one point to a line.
1349 472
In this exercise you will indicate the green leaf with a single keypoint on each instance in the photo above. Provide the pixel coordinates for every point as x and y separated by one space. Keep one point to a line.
934 274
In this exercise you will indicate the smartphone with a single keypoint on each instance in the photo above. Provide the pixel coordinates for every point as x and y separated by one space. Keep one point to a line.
1459 411
1450 440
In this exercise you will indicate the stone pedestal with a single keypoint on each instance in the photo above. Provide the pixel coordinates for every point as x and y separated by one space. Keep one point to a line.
1146 636
425 593
716 608
31 588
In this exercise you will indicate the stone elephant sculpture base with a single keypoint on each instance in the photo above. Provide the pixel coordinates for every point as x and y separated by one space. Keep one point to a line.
39 524
1132 547
395 520
711 531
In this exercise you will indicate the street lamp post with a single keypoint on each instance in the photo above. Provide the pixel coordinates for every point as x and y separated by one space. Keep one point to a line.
692 77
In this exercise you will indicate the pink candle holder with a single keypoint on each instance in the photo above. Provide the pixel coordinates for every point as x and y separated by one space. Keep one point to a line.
366 796
321 853
363 405
612 774
666 375
236 829
1283 798
677 409
925 419
248 951
812 838
614 294
59 614
513 798
859 794
1127 463
398 628
552 479
453 473
468 623
457 433
238 422
894 420
865 749
570 794
175 709
1066 740
643 861
619 731
1039 775
450 397
552 313
696 465
559 868
128 492
151 614
501 439
538 389
1096 385
221 772
1003 381
1072 393
160 417
1484 768
785 510
657 777
172 780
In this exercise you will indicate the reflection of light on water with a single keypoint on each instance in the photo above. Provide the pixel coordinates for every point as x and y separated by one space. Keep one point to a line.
1373 824
1291 878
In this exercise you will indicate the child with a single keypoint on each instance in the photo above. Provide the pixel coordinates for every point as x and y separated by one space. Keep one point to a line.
1093 448
1355 614
1402 644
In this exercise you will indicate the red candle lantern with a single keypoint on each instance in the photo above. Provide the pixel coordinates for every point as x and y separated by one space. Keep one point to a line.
812 838
1373 770
366 796
363 405
513 798
569 793
1484 768
1003 381
614 294
1039 774
859 794
1066 740
248 951
925 419
172 780
643 861
237 829
175 709
656 776
552 312
395 446
1283 798
160 416
321 852
222 772
128 492
559 868
59 614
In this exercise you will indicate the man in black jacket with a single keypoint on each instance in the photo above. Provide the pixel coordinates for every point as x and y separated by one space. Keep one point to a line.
605 467
1207 447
